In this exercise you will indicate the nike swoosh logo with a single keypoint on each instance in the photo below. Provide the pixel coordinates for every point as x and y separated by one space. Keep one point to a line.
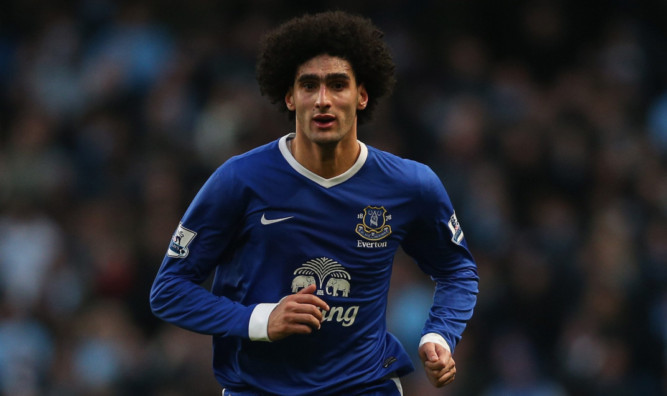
266 221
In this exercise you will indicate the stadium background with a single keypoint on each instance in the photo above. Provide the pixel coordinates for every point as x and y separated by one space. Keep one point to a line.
547 121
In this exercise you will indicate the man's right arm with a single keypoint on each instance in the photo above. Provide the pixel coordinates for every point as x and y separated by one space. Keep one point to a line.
206 229
183 302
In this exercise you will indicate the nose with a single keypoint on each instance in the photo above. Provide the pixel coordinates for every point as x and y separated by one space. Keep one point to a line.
323 100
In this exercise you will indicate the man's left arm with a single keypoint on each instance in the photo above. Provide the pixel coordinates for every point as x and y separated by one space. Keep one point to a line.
441 251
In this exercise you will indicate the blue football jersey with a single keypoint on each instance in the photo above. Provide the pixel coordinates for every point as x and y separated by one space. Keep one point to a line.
268 227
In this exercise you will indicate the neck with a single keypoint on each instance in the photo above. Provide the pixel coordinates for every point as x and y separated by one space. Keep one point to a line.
325 160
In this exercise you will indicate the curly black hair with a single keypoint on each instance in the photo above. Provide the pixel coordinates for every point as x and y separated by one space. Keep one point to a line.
335 33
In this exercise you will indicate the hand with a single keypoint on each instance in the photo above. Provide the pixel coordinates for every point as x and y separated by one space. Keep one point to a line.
438 363
298 313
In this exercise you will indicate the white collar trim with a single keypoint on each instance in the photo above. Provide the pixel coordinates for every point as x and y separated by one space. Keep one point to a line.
326 183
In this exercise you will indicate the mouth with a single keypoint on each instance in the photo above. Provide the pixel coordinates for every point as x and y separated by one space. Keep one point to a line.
324 120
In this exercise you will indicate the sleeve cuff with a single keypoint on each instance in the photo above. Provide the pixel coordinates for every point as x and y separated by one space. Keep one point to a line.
434 338
258 327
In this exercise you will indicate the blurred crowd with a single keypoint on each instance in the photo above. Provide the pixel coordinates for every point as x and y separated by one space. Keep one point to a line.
546 120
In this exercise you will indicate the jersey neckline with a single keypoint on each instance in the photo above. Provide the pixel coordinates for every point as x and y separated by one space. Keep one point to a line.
326 183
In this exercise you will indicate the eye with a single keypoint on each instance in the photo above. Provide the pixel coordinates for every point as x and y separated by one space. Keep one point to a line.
338 85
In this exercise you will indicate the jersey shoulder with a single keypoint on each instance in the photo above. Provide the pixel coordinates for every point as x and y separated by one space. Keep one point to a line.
403 170
254 157
243 170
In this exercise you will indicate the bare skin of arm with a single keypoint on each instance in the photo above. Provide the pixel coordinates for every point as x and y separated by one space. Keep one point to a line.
438 363
299 313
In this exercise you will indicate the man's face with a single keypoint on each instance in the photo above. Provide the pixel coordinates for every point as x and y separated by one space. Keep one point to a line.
326 97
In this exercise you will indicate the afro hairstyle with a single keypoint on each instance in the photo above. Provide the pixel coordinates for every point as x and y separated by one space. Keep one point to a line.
335 33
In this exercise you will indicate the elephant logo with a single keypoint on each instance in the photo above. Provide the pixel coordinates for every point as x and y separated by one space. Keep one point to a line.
319 270
334 285
332 279
301 282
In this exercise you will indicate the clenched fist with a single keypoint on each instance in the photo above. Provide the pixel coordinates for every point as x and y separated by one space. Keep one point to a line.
438 363
299 313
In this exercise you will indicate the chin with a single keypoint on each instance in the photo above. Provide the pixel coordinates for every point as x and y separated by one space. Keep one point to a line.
325 136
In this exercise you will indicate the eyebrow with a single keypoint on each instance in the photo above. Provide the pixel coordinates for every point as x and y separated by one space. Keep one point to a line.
328 77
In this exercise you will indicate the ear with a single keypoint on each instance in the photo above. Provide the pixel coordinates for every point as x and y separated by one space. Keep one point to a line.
362 98
289 100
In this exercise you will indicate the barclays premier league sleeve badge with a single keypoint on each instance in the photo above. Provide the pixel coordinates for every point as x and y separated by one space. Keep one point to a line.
178 247
455 228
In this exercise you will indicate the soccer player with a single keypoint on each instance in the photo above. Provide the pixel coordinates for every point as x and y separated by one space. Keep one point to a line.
302 232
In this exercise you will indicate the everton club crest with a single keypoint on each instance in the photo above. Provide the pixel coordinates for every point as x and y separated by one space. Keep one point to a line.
373 225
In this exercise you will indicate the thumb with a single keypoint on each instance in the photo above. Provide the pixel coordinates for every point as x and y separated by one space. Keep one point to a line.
429 352
308 290
433 355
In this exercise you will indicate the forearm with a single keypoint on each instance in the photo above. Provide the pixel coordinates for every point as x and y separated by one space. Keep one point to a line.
186 304
453 303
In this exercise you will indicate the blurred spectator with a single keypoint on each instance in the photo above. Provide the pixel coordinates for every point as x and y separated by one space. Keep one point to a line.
519 370
26 354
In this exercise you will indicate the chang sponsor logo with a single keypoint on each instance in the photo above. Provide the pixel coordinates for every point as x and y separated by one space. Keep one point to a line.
344 316
332 279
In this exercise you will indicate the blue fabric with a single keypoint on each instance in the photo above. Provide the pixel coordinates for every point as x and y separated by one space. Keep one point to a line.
340 236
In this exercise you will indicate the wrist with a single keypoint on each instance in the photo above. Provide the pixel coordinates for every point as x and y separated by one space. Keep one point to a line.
258 326
436 339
